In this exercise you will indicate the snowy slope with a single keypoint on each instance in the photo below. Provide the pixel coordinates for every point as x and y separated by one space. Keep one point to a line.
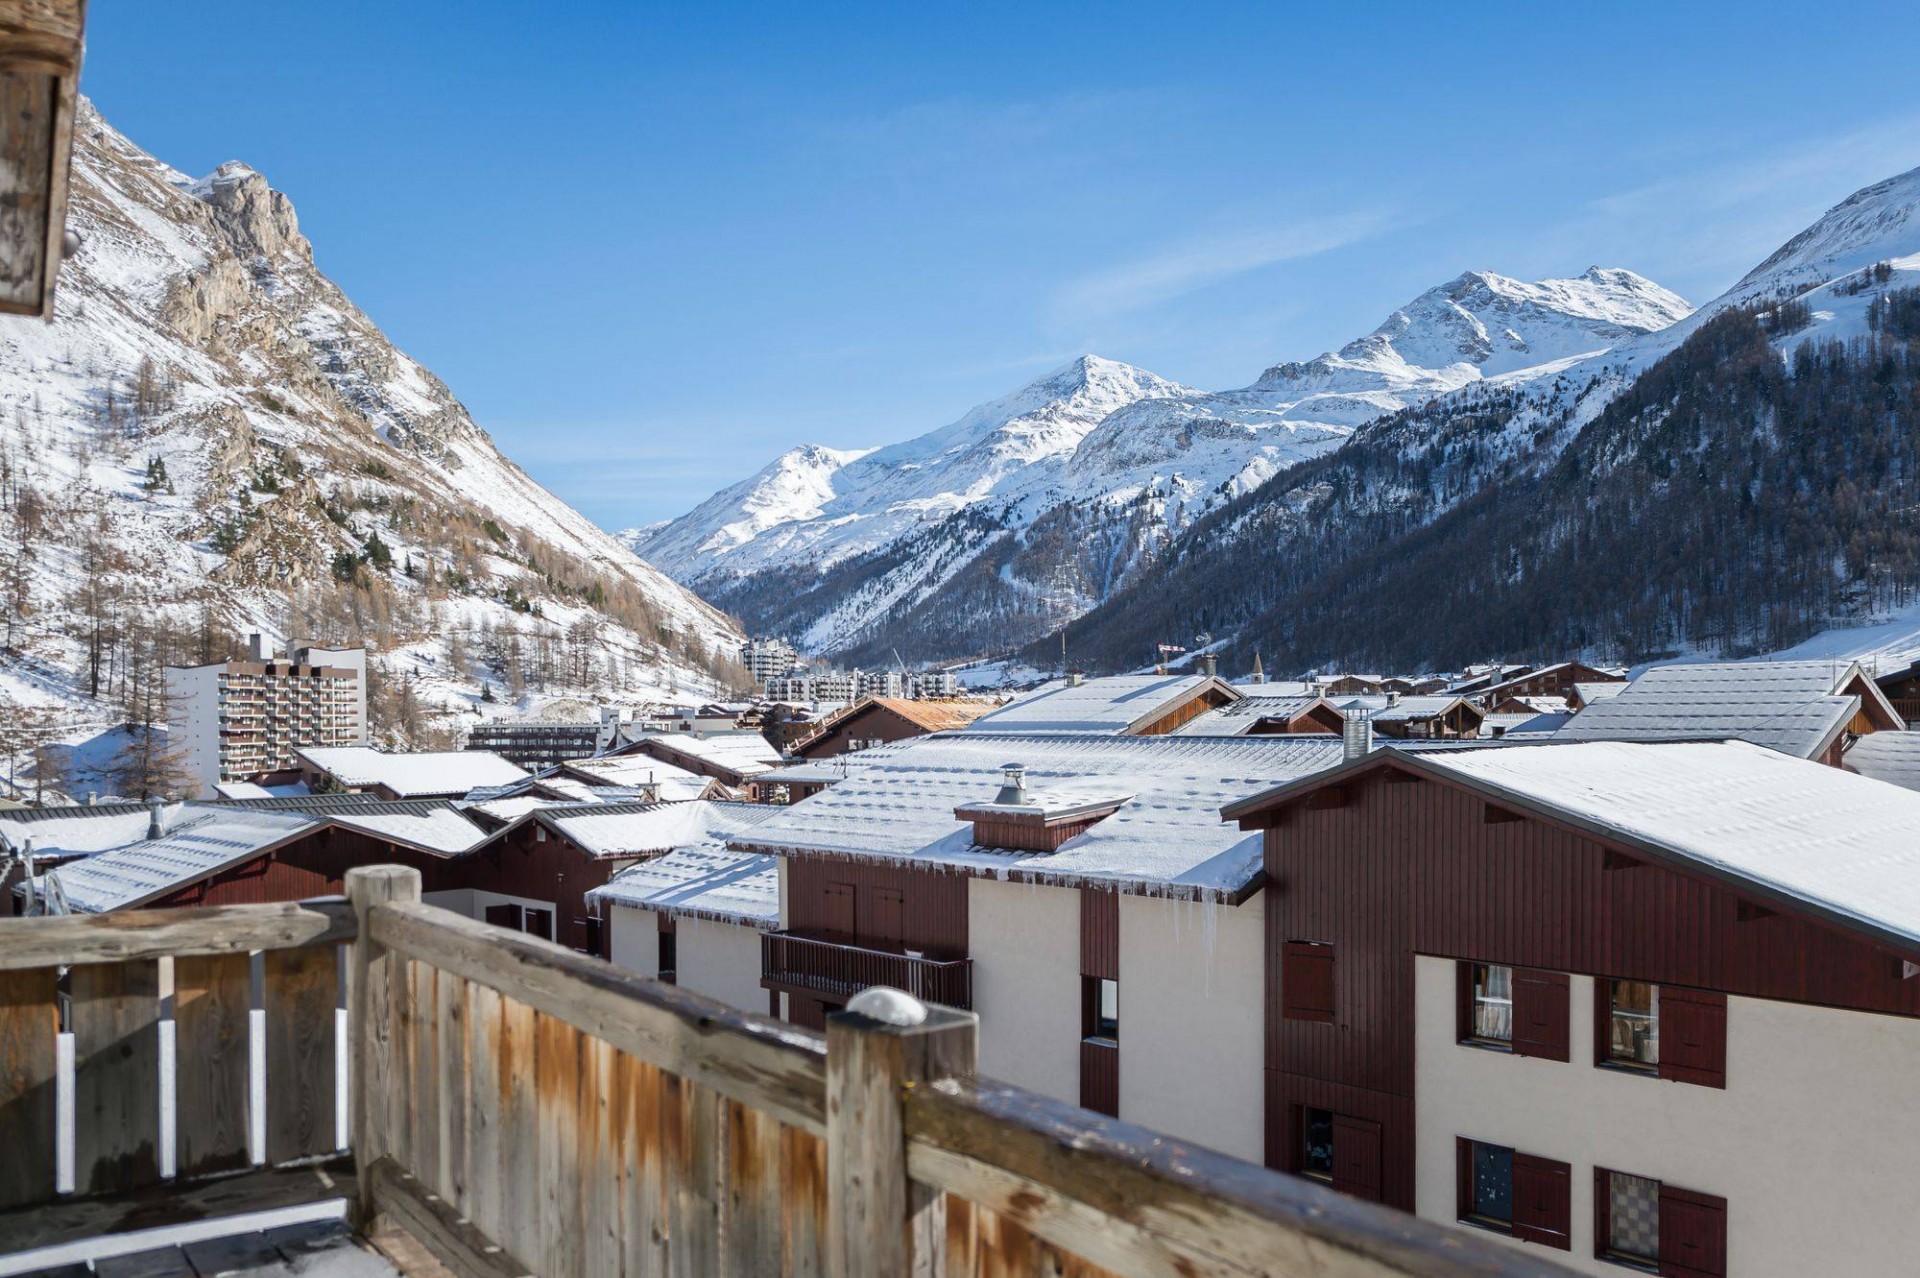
1036 506
209 426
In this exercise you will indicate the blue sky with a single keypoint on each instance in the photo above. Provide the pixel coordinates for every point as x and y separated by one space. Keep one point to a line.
652 247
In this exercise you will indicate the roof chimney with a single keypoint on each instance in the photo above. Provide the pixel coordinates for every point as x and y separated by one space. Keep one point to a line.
154 829
1013 793
1075 678
1356 735
1393 698
1209 666
93 797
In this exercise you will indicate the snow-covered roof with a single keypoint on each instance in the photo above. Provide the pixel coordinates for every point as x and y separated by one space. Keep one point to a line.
1892 757
638 829
205 839
1412 709
421 773
634 770
1524 725
704 882
1115 704
80 829
429 827
1588 693
241 790
1794 707
1844 846
1166 839
747 753
1237 718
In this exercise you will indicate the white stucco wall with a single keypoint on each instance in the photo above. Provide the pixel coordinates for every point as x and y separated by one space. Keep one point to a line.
721 960
1814 1143
634 939
1191 1053
1025 943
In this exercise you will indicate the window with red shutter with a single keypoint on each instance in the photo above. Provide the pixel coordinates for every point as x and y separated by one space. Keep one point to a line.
1356 1157
1543 1201
1693 1036
1540 1014
1693 1234
837 912
1306 981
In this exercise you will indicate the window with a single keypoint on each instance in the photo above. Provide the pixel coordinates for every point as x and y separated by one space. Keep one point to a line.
1633 1025
1642 1222
1316 1143
539 923
1099 1008
1489 1016
1306 981
1520 1194
1678 1034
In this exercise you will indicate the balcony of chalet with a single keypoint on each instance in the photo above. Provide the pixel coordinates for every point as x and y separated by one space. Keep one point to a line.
836 971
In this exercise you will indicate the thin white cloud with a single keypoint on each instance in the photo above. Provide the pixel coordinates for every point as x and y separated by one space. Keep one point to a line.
1203 260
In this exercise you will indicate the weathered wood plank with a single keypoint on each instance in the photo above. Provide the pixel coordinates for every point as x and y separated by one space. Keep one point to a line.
211 997
759 1062
375 988
29 1038
558 1074
519 1166
486 1108
638 1126
696 1198
599 1183
803 1203
879 1221
453 1239
116 1079
182 933
1137 1202
452 1119
754 1216
301 989
423 1089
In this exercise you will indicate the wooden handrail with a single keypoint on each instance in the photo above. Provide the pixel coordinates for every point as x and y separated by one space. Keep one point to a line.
772 1067
1139 1203
195 932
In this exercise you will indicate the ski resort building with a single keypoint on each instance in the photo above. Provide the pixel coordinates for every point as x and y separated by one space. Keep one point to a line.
1120 705
245 720
880 720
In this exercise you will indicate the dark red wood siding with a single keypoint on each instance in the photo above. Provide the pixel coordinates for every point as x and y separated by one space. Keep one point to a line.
932 908
872 722
1100 1076
1099 934
1397 870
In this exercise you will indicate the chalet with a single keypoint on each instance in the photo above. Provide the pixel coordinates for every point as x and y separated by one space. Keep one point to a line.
1586 694
1436 718
1557 680
735 759
1477 679
669 782
879 720
441 774
1121 705
1902 687
1261 715
1354 685
1093 888
1808 709
1649 1004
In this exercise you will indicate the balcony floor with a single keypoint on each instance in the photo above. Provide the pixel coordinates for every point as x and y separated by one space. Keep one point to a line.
322 1249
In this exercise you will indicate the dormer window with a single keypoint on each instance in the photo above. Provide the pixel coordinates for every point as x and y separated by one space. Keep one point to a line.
1035 819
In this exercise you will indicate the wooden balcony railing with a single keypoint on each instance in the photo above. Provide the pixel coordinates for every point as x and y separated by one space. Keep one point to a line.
790 962
523 1109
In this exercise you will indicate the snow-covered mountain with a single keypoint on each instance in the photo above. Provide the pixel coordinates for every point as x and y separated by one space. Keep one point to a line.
1034 507
211 435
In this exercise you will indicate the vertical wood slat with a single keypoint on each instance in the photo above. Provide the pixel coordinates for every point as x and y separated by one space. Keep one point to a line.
376 998
29 1037
424 1074
600 1162
558 1151
451 1118
519 1166
481 1200
803 1203
116 1046
211 997
696 1199
300 989
643 1159
753 1214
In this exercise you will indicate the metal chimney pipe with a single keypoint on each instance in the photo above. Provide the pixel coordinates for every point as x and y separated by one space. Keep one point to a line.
1209 666
1356 735
154 829
1014 793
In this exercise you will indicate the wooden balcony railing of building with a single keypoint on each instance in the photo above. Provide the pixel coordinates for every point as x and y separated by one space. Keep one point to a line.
841 971
522 1109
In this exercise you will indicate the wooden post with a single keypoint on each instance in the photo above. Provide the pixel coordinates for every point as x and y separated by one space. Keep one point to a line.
377 978
879 1223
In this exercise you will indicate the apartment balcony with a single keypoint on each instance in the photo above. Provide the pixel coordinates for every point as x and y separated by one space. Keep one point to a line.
803 964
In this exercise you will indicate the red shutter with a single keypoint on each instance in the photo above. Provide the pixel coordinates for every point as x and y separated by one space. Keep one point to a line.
1356 1157
1693 1036
839 912
507 916
1693 1228
886 927
1540 1014
1100 1077
1543 1201
1306 982
539 923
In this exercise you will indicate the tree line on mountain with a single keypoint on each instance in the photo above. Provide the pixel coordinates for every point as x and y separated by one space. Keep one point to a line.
1729 500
